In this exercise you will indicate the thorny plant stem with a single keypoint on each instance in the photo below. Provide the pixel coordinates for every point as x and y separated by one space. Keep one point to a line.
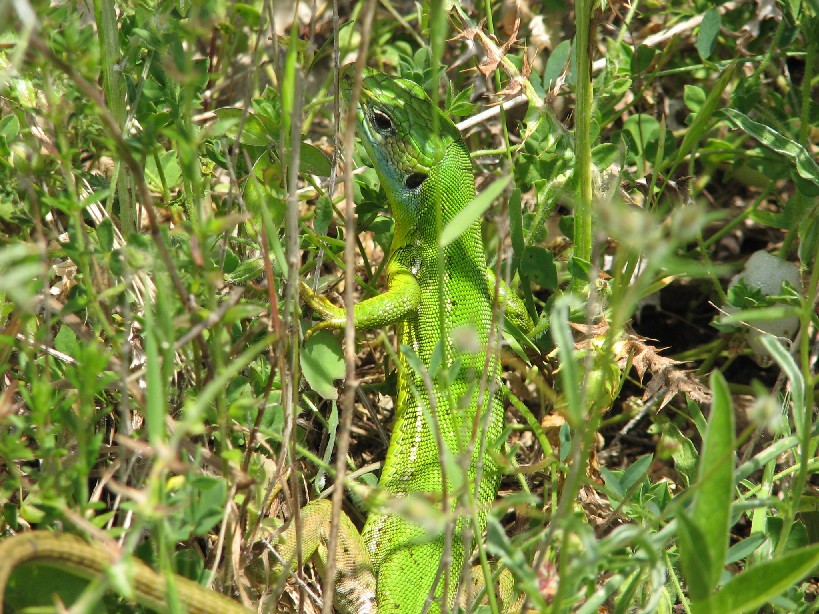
583 92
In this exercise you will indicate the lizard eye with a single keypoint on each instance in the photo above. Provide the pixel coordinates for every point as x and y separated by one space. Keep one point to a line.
382 121
414 180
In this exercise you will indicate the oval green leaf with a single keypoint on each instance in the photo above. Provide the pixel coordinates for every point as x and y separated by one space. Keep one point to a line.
322 363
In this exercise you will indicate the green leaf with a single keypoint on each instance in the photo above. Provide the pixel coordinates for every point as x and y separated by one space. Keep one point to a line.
246 271
65 341
761 583
460 105
797 535
579 268
569 369
564 437
7 209
697 417
694 97
642 58
20 590
253 130
556 65
745 548
809 242
163 170
189 564
808 190
121 576
314 161
611 482
805 164
771 219
707 37
715 482
516 228
250 14
514 559
473 210
19 271
9 128
11 514
566 225
694 557
322 362
105 234
207 503
292 72
797 380
383 228
759 315
413 360
155 398
643 129
684 454
605 154
332 430
702 118
323 215
195 407
636 471
538 264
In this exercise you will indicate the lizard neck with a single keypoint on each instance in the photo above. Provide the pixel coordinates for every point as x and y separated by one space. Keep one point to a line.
448 189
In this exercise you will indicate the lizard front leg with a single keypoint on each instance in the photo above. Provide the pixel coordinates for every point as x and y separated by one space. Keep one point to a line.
403 296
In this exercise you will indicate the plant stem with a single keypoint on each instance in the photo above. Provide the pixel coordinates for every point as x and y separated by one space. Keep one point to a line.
115 97
583 92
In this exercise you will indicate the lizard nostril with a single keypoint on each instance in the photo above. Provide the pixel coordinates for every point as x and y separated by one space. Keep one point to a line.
414 180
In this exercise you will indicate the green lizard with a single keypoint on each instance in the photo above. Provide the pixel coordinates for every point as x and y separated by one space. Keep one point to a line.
425 169
394 566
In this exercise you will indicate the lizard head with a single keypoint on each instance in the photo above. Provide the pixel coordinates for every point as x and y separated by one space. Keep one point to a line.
395 119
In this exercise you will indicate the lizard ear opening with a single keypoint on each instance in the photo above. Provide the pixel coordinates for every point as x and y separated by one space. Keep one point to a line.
414 180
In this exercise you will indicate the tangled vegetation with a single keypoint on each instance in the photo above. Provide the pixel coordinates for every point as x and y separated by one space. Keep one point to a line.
170 170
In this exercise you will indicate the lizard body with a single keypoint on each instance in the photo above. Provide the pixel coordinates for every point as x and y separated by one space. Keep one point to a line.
441 317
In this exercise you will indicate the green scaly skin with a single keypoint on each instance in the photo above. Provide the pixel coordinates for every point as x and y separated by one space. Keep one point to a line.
426 171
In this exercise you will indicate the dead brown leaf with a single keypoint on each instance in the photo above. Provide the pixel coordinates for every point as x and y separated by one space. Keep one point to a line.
667 378
494 53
